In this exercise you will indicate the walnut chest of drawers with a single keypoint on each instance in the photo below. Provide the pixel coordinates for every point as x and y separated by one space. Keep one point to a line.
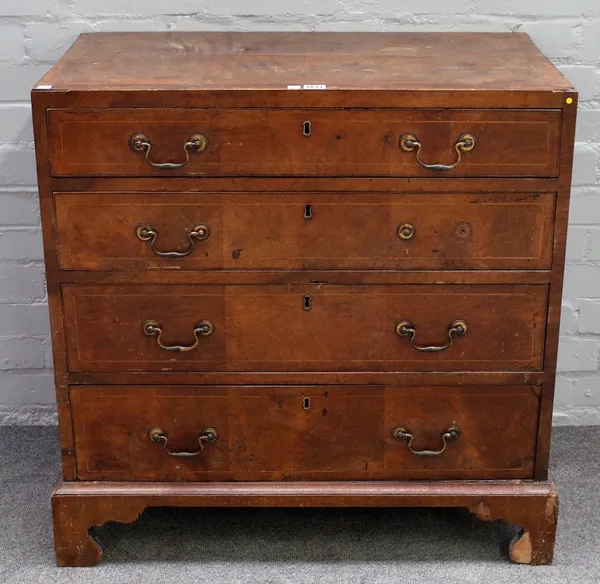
304 270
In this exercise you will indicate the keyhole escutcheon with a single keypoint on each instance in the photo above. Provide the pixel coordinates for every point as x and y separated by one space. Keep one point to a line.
306 403
307 303
306 128
308 211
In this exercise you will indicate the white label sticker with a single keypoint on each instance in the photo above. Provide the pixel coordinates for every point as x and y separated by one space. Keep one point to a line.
309 86
44 87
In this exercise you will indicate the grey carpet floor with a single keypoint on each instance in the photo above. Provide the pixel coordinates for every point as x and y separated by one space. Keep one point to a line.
295 546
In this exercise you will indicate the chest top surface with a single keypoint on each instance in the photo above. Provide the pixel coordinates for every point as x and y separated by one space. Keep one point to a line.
272 61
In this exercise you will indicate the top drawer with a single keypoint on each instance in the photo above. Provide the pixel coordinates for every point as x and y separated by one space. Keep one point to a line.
303 142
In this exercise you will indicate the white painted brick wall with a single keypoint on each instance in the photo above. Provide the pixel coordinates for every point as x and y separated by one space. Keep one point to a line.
34 8
34 33
578 355
536 8
21 245
16 353
13 43
589 317
15 124
21 283
557 40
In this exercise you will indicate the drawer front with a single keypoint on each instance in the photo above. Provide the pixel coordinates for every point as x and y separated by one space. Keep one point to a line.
305 327
304 231
303 142
296 433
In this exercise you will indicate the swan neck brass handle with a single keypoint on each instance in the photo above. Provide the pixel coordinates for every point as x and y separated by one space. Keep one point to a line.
141 143
158 435
405 328
465 143
451 433
147 233
152 329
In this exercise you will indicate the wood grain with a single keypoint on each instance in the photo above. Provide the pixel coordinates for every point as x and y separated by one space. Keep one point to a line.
308 433
267 328
488 247
79 506
556 287
271 142
344 61
306 231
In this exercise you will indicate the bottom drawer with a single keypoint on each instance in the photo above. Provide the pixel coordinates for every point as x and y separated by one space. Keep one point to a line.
304 433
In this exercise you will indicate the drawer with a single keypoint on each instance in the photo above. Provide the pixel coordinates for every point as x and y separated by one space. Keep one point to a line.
305 327
296 433
303 142
303 231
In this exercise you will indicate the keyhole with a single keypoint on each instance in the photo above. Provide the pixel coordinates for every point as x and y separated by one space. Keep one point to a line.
306 128
306 403
307 303
308 211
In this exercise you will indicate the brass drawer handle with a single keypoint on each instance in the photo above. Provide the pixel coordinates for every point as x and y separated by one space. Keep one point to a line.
465 143
209 435
405 328
148 233
451 433
141 143
406 231
203 329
